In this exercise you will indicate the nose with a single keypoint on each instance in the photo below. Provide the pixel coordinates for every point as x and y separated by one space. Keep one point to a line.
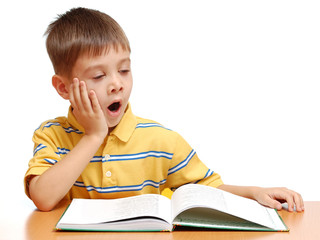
115 85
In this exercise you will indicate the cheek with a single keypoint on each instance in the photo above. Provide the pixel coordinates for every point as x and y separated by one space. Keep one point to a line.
98 89
91 85
100 95
128 87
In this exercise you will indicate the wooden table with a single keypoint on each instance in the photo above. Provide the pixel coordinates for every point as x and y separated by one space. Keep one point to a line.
40 225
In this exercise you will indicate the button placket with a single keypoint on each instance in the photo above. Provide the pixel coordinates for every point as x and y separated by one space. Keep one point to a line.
108 174
107 158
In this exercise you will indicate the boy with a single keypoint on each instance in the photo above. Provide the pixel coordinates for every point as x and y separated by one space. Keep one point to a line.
101 150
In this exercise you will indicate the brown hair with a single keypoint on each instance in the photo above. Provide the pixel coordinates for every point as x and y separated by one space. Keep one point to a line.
80 31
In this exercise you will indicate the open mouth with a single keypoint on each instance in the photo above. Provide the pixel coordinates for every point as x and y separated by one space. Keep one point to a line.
114 106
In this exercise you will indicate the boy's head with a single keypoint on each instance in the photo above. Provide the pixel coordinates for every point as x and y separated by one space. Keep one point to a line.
82 31
90 46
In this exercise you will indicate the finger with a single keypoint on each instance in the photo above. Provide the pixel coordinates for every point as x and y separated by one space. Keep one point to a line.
290 202
76 94
298 202
272 203
84 97
71 97
288 196
301 203
294 200
94 101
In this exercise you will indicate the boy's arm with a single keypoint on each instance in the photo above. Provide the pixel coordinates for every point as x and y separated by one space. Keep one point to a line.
270 197
49 188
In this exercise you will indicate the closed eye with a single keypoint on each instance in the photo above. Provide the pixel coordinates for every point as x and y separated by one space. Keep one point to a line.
124 71
98 77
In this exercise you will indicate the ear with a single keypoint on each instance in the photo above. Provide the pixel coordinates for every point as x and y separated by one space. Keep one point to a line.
61 85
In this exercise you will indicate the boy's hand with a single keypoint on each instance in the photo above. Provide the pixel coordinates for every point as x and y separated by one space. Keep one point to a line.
269 197
87 110
273 197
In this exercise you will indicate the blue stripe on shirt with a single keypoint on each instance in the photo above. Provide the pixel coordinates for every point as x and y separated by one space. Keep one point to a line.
67 130
208 174
182 164
121 188
135 156
51 161
62 151
147 125
38 148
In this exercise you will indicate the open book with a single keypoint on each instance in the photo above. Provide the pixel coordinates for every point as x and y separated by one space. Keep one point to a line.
191 205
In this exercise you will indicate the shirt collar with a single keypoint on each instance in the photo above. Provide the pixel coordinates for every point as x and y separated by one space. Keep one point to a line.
123 130
126 126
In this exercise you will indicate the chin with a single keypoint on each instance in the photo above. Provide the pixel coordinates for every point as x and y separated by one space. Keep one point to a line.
113 125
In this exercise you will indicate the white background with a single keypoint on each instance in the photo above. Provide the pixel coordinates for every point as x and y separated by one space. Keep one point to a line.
239 80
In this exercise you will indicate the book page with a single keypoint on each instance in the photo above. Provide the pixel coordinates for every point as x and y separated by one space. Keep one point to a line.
91 211
251 210
203 218
193 195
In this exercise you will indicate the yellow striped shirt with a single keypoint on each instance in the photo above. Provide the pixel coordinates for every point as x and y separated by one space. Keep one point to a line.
139 156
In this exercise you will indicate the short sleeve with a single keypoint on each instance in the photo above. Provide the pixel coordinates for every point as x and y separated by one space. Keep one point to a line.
186 167
45 154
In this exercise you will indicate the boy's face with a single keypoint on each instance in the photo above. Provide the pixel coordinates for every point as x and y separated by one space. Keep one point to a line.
109 75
